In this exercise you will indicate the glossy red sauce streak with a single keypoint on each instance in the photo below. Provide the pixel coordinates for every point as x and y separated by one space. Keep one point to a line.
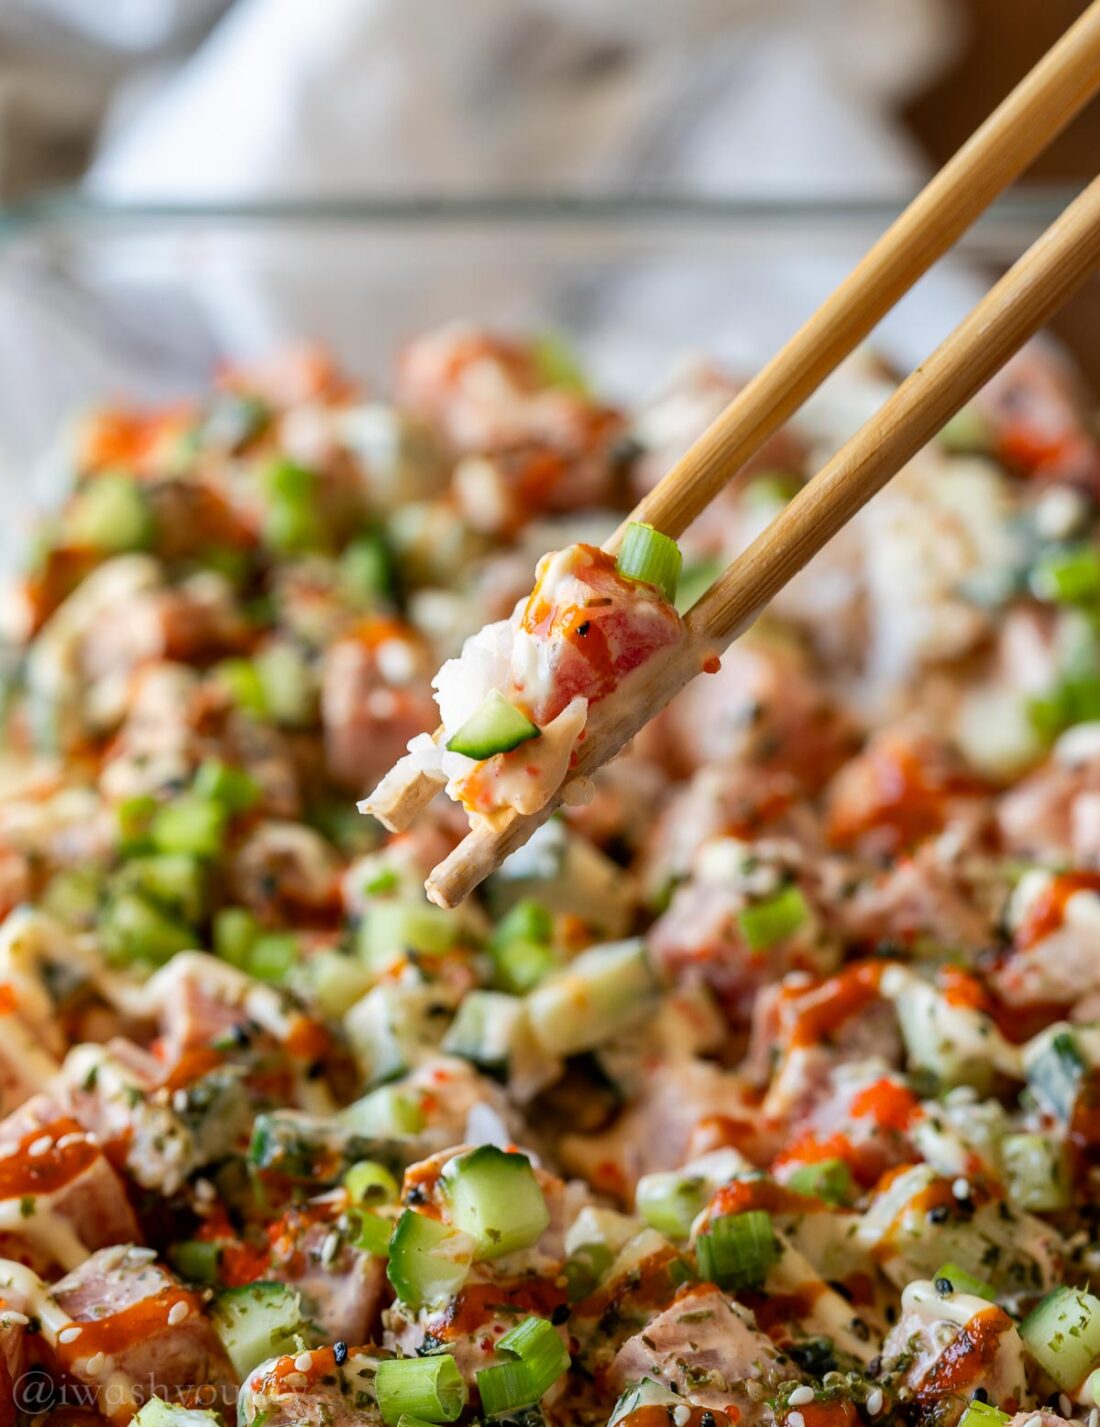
891 1106
892 789
840 1412
146 1319
968 1356
654 1414
833 1002
191 1066
23 1173
648 1286
960 988
1048 910
274 1377
478 1303
308 1039
776 1310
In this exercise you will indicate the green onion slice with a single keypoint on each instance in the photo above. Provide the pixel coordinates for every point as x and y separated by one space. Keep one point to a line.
982 1414
370 1183
540 1359
647 555
431 1388
963 1282
828 1179
764 923
669 1202
737 1250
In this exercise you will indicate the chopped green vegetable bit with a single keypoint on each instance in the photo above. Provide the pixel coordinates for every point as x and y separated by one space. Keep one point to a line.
428 1260
235 933
190 825
133 929
292 520
1069 576
110 513
231 788
764 923
174 881
540 1359
1062 1333
370 1183
241 680
272 955
196 1260
963 1282
557 364
695 580
651 557
828 1179
982 1414
737 1250
367 571
431 1388
392 929
496 727
669 1202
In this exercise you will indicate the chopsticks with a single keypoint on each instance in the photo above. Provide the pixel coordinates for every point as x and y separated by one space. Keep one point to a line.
1014 309
1014 134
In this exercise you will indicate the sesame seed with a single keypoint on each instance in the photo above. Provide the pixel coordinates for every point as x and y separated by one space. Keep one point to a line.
178 1312
180 1101
95 1364
801 1397
6 1151
303 1362
17 1320
681 1415
1065 1407
874 1402
330 1248
68 1335
67 1141
205 1191
960 1188
795 1419
42 1145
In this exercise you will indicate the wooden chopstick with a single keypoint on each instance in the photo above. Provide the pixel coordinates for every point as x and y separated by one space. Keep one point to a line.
1017 131
1012 311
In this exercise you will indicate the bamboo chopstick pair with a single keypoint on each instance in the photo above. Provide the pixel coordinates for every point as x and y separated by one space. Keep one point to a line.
1058 262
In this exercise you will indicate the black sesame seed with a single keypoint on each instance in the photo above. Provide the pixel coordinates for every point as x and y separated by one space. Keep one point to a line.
340 1353
561 1314
944 1286
938 1215
980 1395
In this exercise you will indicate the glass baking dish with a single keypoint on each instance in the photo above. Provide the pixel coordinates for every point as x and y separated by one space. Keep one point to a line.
101 302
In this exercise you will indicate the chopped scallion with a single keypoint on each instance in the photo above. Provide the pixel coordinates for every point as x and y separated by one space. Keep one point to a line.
828 1179
737 1250
669 1202
431 1388
764 923
371 1183
540 1359
963 1282
651 557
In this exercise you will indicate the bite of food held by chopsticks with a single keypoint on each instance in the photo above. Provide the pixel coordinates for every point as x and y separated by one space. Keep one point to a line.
587 634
